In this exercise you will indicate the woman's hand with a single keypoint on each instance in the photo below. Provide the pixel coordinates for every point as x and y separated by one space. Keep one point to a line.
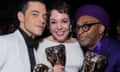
58 68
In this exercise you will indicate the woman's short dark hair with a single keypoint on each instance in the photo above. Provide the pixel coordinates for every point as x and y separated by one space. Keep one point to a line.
62 7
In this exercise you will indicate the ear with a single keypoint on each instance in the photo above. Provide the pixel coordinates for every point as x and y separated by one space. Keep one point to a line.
101 29
20 16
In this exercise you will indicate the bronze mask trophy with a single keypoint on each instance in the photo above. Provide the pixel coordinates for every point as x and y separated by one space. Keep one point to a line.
40 68
94 62
56 54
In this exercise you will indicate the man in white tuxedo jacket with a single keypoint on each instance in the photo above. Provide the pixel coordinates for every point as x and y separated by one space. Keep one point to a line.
14 54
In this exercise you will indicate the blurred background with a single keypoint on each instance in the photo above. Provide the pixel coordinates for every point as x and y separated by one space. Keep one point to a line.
8 11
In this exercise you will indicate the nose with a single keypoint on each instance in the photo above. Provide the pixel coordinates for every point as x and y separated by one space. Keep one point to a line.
42 20
79 31
59 26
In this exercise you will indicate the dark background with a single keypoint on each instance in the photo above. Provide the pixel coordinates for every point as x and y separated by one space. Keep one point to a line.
8 10
7 7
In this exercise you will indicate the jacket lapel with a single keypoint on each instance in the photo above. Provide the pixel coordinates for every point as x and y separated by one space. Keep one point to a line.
23 52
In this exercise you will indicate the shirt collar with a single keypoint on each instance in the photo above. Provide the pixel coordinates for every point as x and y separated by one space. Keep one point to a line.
31 43
98 47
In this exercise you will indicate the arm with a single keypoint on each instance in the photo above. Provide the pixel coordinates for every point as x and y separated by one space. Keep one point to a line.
3 54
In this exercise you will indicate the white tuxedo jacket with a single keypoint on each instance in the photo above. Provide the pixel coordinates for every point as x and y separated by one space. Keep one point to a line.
13 53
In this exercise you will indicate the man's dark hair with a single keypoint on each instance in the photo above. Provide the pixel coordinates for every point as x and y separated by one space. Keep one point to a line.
24 4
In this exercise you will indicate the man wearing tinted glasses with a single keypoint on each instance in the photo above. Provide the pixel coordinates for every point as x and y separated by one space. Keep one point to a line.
92 22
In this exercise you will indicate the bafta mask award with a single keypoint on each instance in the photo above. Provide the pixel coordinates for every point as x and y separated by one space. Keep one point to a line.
56 54
40 68
94 62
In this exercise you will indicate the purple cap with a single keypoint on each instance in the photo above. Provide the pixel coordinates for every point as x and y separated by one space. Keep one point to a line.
95 11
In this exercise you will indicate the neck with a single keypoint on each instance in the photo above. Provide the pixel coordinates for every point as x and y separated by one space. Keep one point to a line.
28 33
68 40
97 44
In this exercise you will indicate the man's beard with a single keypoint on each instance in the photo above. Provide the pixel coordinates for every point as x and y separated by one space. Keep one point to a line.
86 46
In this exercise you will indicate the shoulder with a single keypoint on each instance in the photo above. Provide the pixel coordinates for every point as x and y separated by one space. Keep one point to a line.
46 42
11 35
112 47
114 44
72 40
3 55
73 43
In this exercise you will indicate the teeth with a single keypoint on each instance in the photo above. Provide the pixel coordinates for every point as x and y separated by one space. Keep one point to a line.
60 33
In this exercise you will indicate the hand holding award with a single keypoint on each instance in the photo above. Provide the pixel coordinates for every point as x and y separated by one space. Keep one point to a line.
94 62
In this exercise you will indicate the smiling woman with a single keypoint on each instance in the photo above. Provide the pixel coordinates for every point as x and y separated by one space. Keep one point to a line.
60 24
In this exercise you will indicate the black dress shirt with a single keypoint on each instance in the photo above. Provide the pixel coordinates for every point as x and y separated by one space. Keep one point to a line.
31 44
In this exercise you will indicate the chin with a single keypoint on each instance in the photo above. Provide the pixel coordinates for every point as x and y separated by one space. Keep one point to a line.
83 44
39 34
61 41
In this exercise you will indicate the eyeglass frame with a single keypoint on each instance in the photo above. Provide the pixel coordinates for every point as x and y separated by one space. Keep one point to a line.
88 25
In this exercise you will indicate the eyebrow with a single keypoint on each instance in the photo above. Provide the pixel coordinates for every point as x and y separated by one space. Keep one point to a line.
62 18
67 18
35 11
